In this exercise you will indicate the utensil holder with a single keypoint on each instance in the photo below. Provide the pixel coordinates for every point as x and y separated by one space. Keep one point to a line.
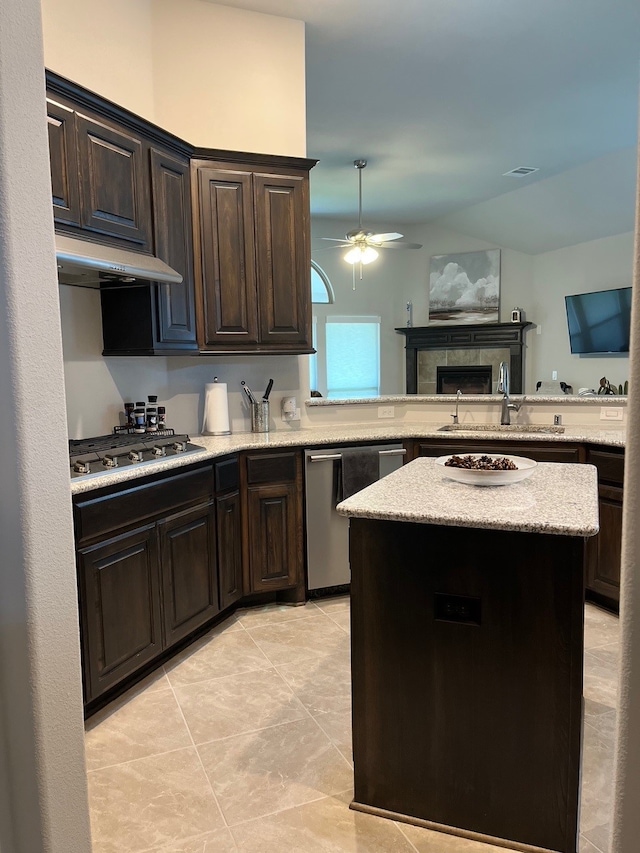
260 416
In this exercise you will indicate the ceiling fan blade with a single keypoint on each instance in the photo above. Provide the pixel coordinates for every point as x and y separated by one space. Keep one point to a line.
383 238
339 246
400 246
334 239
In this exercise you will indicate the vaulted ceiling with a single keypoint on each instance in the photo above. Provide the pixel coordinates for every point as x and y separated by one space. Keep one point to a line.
444 96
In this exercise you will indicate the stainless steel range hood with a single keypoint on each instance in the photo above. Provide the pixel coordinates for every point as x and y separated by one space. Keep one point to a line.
86 264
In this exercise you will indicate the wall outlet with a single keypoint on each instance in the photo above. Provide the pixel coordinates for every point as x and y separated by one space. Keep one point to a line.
611 413
386 411
538 330
554 374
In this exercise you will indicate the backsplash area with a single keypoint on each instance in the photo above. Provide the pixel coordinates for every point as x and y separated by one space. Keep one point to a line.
97 387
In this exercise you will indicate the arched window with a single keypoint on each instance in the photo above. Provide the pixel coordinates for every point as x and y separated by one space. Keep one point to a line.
321 290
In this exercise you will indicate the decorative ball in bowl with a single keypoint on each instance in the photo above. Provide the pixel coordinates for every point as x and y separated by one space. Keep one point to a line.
486 469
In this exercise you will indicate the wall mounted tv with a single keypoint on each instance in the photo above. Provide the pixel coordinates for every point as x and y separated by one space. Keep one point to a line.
599 322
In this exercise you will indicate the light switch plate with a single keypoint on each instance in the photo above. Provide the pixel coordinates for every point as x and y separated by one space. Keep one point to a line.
611 413
386 411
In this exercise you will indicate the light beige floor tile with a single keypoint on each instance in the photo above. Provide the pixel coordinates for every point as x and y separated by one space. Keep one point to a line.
600 627
597 782
277 768
342 618
213 842
337 725
601 678
148 724
270 614
238 704
215 657
599 837
301 640
604 725
334 604
151 802
585 846
428 841
321 684
325 826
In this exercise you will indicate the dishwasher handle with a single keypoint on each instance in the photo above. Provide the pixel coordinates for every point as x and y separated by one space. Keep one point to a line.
333 456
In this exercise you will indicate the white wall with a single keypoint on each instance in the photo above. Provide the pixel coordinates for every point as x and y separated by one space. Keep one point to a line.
227 78
43 787
387 284
596 265
103 46
97 387
535 283
217 77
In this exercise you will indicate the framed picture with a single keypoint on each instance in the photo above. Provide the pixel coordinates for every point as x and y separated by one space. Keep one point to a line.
465 288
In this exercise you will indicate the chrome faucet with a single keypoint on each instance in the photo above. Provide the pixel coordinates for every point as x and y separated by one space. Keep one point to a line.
458 396
503 388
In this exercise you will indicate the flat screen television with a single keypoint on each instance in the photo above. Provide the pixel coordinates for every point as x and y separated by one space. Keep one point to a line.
599 321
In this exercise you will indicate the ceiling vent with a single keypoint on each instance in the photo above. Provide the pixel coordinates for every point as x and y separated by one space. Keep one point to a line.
520 172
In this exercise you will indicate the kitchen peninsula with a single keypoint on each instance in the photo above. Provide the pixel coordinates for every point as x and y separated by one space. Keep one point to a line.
467 646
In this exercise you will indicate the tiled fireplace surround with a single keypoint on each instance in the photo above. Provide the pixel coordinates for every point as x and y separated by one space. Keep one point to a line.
430 359
428 347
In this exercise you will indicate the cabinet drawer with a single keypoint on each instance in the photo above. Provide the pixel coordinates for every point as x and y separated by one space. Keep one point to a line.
227 474
97 516
271 468
533 450
610 465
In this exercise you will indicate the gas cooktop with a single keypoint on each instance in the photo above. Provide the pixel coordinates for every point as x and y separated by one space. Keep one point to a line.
92 457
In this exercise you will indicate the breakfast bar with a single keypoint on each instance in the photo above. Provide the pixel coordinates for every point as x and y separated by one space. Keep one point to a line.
467 651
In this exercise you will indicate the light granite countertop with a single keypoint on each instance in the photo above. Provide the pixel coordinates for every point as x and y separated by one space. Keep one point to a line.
214 446
557 498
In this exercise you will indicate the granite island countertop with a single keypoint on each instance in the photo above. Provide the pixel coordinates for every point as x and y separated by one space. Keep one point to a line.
557 498
215 446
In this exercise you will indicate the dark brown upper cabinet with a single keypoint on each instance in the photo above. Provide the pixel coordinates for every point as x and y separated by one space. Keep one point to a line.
252 254
158 319
63 156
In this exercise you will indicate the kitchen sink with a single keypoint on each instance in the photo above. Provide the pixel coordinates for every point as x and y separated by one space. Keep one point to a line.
553 430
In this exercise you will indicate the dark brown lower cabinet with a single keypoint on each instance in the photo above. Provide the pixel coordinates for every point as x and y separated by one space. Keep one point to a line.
540 451
273 537
188 567
604 551
229 527
120 597
271 484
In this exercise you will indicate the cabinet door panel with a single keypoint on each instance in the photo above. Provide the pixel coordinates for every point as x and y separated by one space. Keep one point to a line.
533 450
173 244
229 307
273 547
229 529
604 551
283 261
63 158
189 582
114 183
120 592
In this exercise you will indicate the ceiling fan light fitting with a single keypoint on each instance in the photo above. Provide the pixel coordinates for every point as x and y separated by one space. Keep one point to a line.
361 255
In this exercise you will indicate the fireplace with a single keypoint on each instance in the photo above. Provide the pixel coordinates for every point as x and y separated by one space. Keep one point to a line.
468 378
477 345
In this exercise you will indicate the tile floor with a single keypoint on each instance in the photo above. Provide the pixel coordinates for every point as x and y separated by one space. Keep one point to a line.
242 743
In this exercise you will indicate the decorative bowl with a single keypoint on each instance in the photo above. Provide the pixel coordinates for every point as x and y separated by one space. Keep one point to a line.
478 477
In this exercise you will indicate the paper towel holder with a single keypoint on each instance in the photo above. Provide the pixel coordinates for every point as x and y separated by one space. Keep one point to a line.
216 409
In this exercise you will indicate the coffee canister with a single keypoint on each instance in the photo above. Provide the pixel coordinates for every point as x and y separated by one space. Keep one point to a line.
260 416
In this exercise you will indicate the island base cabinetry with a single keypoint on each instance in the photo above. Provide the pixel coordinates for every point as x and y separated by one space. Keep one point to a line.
467 680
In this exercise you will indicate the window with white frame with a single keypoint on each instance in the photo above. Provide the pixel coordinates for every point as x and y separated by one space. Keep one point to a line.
348 360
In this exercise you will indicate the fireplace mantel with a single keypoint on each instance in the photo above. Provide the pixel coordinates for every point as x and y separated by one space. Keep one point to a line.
476 336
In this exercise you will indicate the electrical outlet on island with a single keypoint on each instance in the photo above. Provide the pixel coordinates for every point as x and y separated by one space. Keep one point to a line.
386 411
611 413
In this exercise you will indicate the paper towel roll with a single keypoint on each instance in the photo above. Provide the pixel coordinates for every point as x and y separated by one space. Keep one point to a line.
216 409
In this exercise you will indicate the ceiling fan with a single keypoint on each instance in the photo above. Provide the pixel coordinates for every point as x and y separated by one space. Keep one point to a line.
363 245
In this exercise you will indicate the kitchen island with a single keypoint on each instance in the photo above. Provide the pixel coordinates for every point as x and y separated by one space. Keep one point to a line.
467 647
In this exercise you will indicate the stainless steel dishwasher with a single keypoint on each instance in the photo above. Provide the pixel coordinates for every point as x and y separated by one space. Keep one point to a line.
328 532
